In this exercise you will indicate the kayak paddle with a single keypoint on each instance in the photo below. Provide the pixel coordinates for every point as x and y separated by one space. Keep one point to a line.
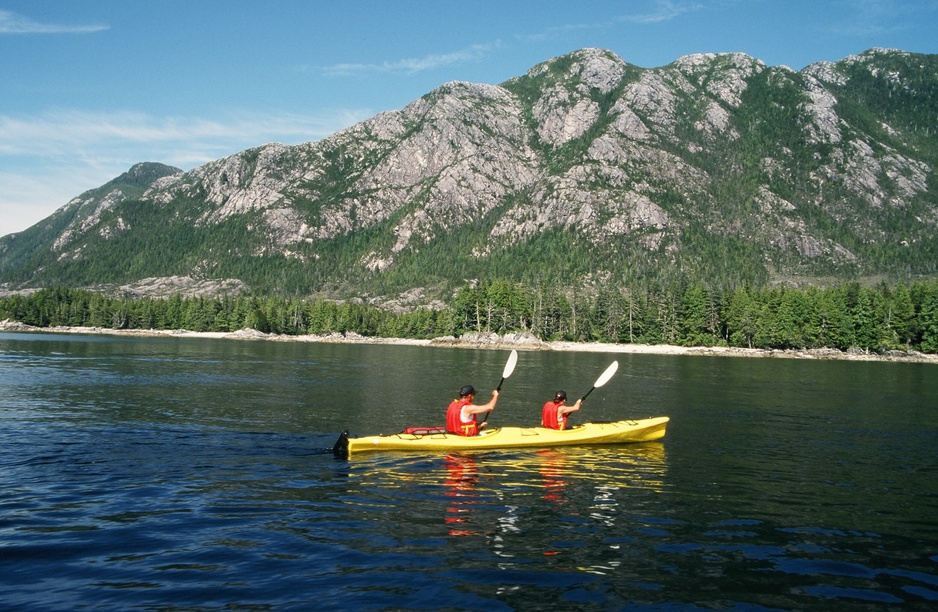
509 368
603 378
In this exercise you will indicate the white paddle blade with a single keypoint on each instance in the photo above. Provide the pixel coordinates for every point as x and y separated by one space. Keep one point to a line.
510 366
605 376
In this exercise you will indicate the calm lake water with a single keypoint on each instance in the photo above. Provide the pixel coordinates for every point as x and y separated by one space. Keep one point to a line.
181 474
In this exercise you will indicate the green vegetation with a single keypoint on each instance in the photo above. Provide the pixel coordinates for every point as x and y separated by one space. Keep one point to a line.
849 316
707 207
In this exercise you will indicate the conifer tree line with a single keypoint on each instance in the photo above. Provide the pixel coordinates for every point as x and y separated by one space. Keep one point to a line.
847 316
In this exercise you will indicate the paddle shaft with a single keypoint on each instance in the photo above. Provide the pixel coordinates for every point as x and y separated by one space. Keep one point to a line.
509 368
587 393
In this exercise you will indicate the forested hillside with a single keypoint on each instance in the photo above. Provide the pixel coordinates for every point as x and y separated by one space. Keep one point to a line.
586 172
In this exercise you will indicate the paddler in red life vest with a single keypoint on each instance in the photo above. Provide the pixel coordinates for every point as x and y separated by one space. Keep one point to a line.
554 414
461 414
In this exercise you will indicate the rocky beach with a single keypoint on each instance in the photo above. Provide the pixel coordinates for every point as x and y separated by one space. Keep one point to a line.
488 340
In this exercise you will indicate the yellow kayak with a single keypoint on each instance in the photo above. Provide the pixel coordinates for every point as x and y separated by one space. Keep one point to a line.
613 432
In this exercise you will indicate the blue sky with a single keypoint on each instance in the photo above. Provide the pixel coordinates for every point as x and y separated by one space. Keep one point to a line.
88 88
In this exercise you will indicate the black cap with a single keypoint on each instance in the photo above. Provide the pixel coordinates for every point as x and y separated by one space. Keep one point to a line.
560 395
467 390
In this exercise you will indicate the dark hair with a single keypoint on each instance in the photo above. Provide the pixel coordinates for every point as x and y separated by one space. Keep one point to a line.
560 395
467 390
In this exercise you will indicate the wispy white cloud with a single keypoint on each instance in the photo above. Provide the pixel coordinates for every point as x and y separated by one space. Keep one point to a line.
49 158
412 65
662 10
53 133
11 23
867 18
658 12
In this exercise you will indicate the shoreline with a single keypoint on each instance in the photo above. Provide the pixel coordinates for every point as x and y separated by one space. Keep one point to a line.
494 341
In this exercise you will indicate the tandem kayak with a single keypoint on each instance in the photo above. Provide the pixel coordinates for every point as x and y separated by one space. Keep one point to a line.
610 432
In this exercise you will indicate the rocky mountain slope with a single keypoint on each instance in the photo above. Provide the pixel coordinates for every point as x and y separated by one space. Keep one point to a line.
716 168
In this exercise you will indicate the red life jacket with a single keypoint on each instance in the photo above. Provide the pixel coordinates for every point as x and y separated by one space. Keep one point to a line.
454 423
549 416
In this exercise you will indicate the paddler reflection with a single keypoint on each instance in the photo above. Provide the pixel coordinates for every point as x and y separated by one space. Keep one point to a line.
461 479
552 468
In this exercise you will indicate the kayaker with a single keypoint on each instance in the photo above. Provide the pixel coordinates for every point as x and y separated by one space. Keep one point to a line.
554 414
461 414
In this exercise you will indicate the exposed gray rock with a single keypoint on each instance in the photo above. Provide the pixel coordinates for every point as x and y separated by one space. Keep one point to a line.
586 143
185 286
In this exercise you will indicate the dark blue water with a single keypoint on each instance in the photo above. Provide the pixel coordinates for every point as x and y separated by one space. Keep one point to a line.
181 474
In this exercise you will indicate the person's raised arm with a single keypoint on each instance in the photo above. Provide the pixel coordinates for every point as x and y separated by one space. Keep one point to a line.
569 409
486 407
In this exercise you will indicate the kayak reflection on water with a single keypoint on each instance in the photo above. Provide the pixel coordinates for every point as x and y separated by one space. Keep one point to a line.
499 495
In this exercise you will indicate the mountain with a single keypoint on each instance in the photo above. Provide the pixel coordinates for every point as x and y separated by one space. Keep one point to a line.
586 170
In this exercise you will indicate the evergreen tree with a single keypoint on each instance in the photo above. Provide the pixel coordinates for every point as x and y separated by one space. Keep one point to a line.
832 322
838 317
929 318
867 320
741 316
693 318
901 317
